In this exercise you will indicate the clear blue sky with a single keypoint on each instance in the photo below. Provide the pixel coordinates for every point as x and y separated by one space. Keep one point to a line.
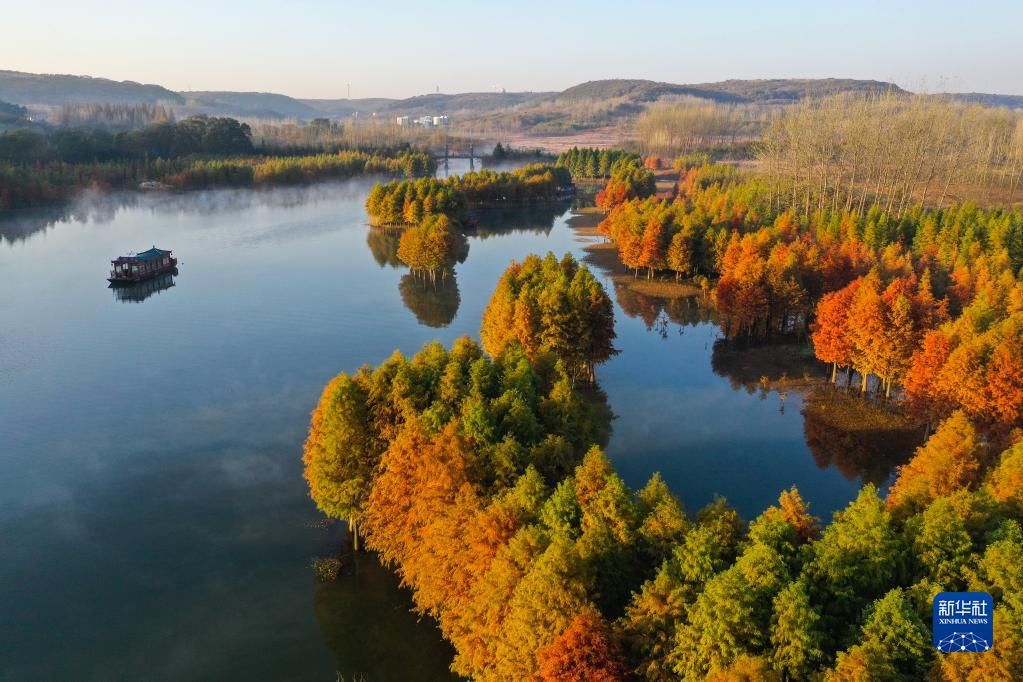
394 48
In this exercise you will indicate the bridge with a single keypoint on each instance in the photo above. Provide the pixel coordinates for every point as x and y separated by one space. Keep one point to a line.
457 151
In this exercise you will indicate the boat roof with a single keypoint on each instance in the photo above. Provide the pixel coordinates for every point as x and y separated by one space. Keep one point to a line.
149 254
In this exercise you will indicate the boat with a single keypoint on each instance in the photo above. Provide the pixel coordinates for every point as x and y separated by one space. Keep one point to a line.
142 266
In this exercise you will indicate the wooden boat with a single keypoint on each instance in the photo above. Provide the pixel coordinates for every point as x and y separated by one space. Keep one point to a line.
142 266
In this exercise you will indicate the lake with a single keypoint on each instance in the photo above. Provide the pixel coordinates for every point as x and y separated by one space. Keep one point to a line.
154 518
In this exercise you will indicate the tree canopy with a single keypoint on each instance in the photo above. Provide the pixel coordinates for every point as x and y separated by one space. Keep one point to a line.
546 305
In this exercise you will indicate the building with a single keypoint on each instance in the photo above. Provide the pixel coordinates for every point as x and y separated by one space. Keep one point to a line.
404 121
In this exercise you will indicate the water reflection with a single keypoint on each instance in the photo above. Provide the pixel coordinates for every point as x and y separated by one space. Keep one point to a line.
434 304
103 207
383 244
863 439
766 367
535 219
140 291
659 312
364 647
860 437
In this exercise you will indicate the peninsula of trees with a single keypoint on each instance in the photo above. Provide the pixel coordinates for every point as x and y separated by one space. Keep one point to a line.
409 202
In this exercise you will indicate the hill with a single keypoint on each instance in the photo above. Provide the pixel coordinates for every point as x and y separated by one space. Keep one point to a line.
730 91
247 104
991 100
638 90
792 89
53 89
435 103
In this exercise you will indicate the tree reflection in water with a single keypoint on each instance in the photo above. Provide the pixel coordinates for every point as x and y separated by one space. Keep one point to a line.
861 437
434 304
383 244
386 638
532 218
864 439
659 312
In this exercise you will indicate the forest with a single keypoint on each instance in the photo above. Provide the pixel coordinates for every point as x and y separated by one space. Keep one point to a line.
515 533
477 473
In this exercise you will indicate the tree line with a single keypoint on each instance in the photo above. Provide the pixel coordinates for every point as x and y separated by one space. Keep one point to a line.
409 202
117 116
688 126
476 478
890 150
890 298
197 135
590 163
25 185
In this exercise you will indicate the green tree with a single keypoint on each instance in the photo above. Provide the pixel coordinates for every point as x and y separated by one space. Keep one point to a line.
341 452
941 544
796 640
854 562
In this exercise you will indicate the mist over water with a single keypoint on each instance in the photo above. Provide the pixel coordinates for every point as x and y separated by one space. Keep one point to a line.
155 521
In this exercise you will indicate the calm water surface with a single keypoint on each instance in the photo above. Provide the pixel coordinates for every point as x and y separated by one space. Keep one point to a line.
154 521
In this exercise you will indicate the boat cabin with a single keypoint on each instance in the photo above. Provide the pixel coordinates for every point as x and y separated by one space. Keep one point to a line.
141 266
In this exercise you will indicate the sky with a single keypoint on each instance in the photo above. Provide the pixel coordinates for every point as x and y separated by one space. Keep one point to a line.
396 48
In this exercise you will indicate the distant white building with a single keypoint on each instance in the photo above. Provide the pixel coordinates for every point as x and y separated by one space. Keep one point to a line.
422 121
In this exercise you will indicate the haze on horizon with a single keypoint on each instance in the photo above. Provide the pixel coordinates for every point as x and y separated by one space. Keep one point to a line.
315 48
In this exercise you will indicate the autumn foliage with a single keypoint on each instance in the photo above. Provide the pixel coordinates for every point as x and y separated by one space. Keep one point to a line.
549 306
473 478
627 182
409 202
475 471
430 247
585 652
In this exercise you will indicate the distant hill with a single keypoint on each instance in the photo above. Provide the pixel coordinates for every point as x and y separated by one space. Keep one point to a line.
730 91
30 88
343 108
791 89
435 103
541 111
251 104
1007 101
639 91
